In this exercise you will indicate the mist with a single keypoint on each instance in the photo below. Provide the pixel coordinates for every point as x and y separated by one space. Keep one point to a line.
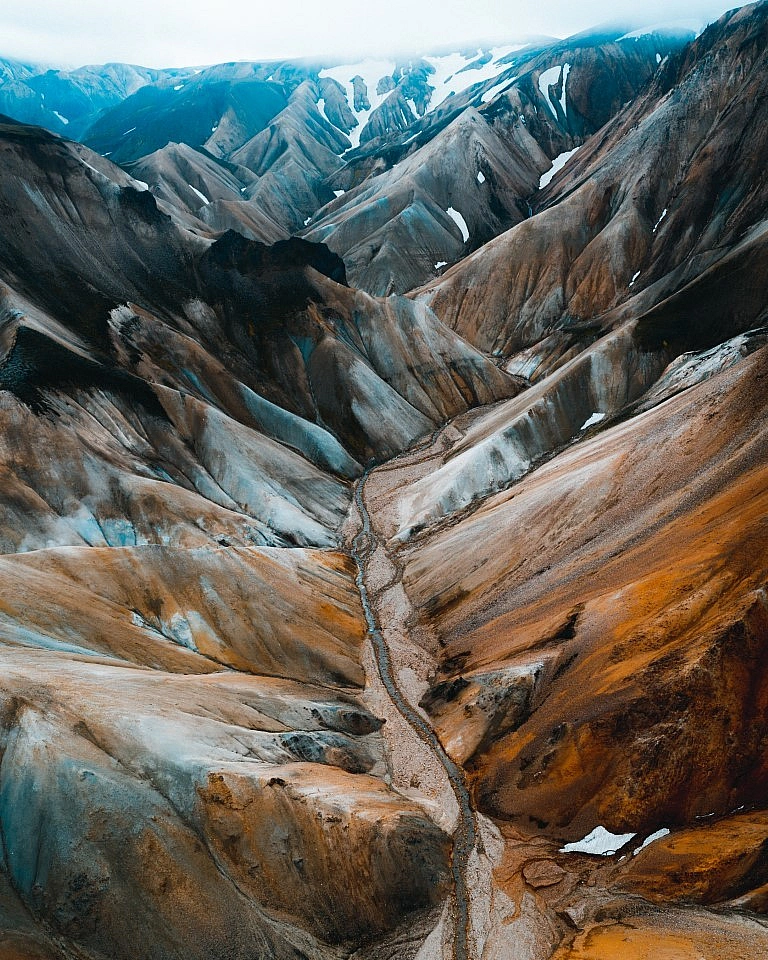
164 33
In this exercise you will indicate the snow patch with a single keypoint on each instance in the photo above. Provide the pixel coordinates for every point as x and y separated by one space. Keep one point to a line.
663 214
460 222
599 843
566 71
595 418
497 88
140 185
201 195
307 221
557 165
451 76
441 263
548 78
634 277
339 193
63 119
664 832
658 58
178 86
128 131
371 71
323 114
442 79
91 167
694 26
480 176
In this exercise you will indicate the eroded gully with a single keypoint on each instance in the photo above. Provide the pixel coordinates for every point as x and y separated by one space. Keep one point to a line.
465 835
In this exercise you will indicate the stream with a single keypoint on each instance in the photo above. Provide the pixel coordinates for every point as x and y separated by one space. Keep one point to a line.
465 836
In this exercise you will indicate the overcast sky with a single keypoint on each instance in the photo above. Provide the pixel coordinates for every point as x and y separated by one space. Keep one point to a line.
161 33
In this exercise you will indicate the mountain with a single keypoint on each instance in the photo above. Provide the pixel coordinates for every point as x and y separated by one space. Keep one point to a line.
384 504
287 138
634 225
154 418
68 101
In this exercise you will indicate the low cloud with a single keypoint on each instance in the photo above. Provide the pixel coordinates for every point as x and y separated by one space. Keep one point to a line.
179 33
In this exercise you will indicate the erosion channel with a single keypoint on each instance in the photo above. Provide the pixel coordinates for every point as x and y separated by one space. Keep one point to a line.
465 835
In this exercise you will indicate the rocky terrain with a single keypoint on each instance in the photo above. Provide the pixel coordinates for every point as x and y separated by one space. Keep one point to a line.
385 486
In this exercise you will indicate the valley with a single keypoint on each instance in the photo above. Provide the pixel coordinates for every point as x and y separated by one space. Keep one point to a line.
385 504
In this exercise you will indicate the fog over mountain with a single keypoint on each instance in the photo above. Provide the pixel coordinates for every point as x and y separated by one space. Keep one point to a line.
384 502
174 33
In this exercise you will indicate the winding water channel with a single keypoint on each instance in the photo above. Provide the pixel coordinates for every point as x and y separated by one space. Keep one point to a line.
465 836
